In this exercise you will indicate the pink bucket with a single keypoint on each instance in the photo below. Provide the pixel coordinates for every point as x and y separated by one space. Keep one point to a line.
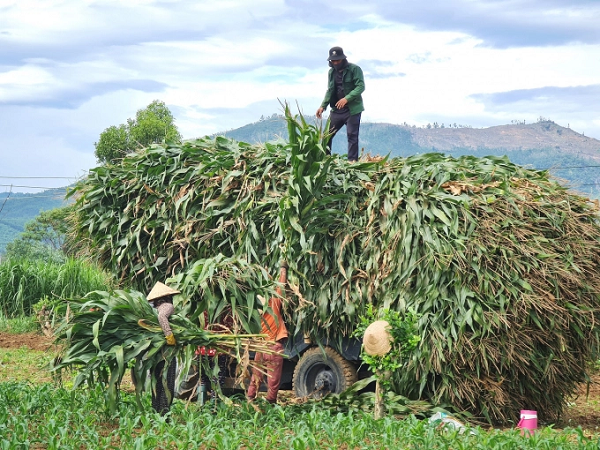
528 421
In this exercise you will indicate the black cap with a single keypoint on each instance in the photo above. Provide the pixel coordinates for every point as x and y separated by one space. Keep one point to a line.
336 53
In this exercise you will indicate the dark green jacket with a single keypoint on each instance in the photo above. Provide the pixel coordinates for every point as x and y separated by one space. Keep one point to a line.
354 86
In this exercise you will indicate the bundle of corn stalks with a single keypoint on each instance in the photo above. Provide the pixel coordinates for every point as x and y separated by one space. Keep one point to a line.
108 332
357 398
500 262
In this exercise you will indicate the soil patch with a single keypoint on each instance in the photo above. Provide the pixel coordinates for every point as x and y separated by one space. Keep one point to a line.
32 340
584 409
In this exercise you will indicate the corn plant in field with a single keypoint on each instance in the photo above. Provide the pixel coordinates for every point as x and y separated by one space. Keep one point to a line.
501 263
44 416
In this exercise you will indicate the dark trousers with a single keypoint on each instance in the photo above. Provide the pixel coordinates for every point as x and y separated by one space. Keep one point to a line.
162 394
337 119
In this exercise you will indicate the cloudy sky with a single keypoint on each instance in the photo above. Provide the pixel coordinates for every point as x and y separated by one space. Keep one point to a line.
71 68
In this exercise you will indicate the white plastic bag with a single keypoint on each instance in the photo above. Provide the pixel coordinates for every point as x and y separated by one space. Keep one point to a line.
449 423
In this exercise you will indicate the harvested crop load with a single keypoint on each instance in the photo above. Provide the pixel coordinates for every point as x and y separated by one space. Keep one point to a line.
107 331
500 262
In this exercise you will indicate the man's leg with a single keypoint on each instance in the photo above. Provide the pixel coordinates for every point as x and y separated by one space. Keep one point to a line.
257 377
158 391
162 395
352 128
274 363
336 121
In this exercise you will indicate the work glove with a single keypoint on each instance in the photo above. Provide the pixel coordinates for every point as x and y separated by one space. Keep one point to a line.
170 339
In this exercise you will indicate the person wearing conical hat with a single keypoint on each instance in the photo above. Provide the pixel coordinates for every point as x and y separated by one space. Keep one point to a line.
161 297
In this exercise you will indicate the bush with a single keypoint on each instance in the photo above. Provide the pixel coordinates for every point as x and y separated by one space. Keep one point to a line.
16 325
24 282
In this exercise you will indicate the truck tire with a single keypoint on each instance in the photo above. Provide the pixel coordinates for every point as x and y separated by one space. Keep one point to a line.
321 371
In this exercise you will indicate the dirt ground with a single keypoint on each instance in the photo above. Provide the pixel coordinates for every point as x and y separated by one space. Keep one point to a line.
584 409
33 341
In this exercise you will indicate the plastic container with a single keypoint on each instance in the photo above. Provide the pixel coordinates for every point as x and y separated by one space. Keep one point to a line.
528 421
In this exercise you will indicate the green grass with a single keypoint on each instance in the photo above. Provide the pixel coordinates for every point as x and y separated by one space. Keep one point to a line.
44 416
21 324
23 364
24 282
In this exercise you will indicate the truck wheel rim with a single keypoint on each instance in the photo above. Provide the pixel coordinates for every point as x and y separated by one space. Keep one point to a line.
325 381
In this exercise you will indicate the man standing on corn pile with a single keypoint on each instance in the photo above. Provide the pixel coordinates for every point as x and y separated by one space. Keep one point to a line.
271 363
345 85
161 296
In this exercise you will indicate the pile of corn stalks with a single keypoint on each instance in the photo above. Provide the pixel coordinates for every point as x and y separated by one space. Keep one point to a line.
110 332
501 262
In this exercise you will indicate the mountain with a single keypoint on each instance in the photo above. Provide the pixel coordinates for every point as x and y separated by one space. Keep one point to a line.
545 145
16 209
405 140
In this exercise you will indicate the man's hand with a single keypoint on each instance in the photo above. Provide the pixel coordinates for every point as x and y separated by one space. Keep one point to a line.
341 103
319 112
170 339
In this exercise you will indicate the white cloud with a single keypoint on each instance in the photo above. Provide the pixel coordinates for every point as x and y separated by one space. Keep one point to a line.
71 68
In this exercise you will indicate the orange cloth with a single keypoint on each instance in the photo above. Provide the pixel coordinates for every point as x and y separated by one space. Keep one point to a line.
272 324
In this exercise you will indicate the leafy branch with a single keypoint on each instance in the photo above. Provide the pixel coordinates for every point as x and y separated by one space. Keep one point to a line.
404 339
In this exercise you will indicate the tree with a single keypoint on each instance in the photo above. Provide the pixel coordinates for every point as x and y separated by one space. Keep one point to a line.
113 143
45 237
21 249
49 227
152 125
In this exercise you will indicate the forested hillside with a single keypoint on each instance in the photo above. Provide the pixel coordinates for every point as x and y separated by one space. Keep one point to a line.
16 209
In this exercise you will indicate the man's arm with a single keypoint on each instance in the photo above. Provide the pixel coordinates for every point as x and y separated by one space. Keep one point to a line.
327 97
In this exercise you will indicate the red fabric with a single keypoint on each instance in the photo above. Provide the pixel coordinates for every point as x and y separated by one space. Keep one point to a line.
272 364
205 351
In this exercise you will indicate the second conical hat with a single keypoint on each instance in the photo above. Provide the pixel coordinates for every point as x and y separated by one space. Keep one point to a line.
377 340
161 290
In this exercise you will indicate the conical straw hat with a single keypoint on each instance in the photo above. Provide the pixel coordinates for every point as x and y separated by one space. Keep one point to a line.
377 339
161 290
